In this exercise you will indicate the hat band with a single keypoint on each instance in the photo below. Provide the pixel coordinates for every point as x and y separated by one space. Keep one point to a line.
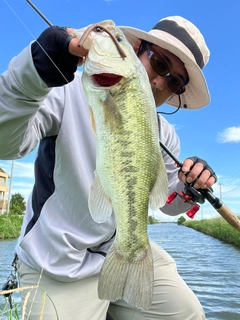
181 34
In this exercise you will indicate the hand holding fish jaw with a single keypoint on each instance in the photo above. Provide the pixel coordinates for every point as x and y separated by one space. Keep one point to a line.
57 52
197 172
56 55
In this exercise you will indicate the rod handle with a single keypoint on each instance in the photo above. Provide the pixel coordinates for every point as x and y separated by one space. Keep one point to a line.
229 216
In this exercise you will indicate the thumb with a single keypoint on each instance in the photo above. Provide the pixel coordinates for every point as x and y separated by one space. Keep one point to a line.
74 48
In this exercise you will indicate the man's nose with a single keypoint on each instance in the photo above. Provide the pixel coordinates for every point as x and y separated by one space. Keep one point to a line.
159 82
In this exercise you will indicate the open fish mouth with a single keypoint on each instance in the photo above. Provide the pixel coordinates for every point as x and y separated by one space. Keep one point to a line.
106 79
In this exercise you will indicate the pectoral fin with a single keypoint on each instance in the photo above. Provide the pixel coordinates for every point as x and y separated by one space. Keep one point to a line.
100 206
159 193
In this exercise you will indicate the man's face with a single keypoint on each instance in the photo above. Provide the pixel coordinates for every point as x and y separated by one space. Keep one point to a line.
159 84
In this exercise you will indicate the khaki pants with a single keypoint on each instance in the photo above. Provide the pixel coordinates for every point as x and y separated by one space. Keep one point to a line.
78 300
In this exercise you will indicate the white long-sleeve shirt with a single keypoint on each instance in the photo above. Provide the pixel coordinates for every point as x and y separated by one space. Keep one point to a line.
58 233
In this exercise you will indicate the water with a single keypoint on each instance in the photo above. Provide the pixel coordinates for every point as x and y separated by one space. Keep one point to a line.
6 257
210 267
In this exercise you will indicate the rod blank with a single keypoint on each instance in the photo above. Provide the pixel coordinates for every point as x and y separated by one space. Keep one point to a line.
40 13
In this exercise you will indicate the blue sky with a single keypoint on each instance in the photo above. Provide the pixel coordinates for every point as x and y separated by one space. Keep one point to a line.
212 133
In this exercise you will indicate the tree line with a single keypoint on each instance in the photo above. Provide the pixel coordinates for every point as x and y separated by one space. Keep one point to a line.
17 204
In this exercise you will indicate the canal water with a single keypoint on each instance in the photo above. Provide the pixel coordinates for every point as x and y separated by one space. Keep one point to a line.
210 267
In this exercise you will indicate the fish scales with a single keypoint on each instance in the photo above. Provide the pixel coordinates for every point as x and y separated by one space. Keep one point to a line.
125 161
130 173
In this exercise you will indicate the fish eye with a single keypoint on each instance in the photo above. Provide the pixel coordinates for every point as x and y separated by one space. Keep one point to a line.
119 38
98 29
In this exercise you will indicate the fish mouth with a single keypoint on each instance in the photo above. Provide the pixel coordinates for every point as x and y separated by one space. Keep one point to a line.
106 79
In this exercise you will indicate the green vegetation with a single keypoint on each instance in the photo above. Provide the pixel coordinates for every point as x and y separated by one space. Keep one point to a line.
181 220
152 220
10 225
17 204
217 228
8 313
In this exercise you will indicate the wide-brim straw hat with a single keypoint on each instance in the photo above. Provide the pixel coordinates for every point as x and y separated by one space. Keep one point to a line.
184 40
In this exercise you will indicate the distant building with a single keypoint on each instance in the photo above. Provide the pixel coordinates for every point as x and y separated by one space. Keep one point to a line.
3 190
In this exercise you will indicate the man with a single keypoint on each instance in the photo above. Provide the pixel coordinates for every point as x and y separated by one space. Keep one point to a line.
60 246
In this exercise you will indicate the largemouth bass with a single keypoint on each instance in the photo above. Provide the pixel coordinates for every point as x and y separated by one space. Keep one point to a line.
130 173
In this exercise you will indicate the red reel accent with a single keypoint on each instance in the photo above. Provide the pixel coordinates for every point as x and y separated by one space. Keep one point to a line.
191 213
185 198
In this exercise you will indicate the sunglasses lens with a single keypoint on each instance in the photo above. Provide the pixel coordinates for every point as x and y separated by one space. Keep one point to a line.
175 85
160 66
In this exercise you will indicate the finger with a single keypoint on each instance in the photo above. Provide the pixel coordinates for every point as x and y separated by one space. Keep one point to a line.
202 179
186 166
75 49
203 183
182 177
70 30
81 61
195 172
209 183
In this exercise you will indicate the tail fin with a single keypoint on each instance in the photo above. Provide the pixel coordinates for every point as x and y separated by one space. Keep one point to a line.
131 281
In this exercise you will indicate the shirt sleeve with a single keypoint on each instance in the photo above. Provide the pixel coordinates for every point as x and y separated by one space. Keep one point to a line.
24 116
169 138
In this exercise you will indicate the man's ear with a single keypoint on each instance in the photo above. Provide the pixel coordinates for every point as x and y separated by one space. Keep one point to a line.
136 45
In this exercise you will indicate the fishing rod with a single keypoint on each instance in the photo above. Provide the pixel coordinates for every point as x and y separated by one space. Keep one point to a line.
207 194
40 13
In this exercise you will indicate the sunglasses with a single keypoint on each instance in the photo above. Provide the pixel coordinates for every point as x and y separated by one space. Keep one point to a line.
161 67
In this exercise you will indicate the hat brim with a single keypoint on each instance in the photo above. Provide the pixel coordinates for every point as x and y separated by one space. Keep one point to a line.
196 95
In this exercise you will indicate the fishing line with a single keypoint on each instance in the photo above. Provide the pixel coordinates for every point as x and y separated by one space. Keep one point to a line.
14 12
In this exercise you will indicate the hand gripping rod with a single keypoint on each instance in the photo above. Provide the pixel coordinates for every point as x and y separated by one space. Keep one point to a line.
220 207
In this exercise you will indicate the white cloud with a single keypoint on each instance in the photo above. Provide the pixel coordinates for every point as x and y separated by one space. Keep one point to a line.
20 169
178 126
24 169
231 134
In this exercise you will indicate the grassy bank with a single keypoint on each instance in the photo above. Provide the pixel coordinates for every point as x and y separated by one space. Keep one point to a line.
10 226
217 228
